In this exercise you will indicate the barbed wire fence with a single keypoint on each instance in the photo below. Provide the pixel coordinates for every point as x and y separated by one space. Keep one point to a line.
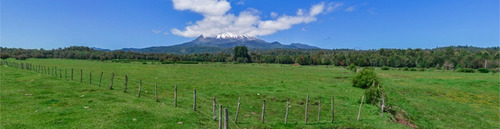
147 89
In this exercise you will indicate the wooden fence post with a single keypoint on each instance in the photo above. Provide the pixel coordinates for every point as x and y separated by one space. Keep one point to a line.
140 85
156 91
263 110
194 99
90 78
220 116
333 112
226 119
71 74
175 96
286 114
359 113
65 73
100 79
60 73
383 105
81 75
126 81
214 108
307 103
319 110
112 77
237 110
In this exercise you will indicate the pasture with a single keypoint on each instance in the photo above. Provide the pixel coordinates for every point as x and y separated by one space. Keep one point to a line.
429 99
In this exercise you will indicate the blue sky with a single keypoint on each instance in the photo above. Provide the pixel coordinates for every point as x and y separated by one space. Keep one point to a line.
358 24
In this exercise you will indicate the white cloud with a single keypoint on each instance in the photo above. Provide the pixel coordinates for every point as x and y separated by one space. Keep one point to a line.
156 31
316 9
332 6
205 7
217 20
274 14
300 12
350 9
241 2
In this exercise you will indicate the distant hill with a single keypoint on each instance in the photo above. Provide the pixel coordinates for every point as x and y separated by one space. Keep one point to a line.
219 43
100 49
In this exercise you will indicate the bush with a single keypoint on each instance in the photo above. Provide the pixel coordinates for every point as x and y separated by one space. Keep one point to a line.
413 69
352 67
422 69
483 70
385 68
365 79
466 70
374 95
406 69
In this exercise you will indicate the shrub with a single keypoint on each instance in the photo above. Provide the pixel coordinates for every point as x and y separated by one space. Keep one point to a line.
352 67
385 68
365 79
422 69
413 69
466 70
483 70
374 95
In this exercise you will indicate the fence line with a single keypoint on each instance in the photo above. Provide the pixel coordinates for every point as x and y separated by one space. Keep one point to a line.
120 80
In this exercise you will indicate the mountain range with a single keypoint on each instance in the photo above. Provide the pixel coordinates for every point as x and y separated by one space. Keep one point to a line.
218 43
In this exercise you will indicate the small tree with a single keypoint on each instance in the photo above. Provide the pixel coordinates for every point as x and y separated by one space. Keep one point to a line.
241 52
365 79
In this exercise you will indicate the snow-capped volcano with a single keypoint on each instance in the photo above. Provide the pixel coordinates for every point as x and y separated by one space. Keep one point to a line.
228 35
221 43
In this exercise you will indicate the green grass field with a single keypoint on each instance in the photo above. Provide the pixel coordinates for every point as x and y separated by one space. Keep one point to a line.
430 99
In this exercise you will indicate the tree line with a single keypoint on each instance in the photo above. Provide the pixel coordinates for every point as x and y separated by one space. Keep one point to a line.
445 57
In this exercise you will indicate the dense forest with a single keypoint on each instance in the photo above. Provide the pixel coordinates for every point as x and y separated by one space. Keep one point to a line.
444 57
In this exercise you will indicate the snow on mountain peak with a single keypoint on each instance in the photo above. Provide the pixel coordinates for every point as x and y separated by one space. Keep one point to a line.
228 35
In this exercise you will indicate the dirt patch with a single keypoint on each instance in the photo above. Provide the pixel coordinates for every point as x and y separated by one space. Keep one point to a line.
401 119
